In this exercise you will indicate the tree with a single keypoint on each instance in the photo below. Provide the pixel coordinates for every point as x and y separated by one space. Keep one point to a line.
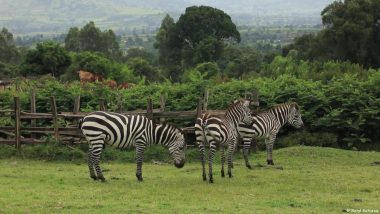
198 36
142 68
47 58
351 32
91 38
8 50
239 61
202 31
140 52
168 47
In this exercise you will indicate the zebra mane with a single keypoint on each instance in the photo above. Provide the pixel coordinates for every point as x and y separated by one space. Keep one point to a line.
235 103
291 104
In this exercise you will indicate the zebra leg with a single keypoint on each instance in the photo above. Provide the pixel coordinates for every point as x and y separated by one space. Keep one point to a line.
202 157
91 166
200 139
231 149
223 159
95 159
246 147
269 144
210 160
139 160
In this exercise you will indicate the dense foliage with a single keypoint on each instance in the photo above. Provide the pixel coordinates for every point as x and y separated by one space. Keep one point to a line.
351 32
91 38
347 107
47 58
198 36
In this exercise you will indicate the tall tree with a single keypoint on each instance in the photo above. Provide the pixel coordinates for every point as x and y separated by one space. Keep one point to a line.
91 38
8 50
202 30
351 32
198 36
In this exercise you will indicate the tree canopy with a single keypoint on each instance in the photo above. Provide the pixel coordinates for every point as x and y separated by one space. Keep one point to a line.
47 58
8 50
198 36
352 32
91 38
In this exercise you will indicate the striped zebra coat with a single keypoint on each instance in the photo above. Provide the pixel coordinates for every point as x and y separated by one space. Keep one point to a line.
267 124
221 131
120 131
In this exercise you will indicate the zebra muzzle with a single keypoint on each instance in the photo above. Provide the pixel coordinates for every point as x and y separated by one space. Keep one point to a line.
179 163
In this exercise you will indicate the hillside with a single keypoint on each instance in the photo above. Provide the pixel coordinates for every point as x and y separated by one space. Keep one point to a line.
45 16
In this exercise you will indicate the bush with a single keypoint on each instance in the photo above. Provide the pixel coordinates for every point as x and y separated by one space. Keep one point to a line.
308 139
347 107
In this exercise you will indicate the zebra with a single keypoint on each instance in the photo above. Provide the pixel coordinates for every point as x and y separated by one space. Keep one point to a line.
220 130
266 125
127 131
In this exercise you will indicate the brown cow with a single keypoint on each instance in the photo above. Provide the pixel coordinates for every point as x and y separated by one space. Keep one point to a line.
111 83
86 76
125 85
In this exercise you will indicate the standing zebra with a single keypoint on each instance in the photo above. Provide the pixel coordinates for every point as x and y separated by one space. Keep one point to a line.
220 130
267 124
129 131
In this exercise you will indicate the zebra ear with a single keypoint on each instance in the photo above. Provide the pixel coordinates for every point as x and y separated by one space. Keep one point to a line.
296 106
247 102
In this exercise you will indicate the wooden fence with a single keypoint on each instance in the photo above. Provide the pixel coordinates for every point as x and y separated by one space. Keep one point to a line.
17 134
72 133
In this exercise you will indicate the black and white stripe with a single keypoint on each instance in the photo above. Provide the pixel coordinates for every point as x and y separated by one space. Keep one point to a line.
128 131
222 130
267 124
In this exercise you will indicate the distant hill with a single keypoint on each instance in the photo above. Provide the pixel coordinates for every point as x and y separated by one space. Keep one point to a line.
49 17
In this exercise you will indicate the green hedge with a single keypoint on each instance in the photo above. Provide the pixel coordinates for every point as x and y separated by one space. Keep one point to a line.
348 107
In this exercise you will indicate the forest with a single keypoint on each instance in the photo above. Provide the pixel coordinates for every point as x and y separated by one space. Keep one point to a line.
331 71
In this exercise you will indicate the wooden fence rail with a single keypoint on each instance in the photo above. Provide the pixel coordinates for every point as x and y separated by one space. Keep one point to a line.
72 133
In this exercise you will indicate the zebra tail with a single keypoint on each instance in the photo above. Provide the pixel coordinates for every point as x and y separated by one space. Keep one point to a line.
80 122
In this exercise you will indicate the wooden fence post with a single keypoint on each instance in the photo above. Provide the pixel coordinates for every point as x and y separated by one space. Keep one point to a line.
55 119
199 109
205 100
162 106
149 109
76 104
33 122
102 106
17 123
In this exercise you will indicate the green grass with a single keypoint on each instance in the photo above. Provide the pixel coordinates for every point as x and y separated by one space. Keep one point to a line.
313 180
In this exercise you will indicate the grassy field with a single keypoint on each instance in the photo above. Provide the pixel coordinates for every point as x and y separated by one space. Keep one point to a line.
310 180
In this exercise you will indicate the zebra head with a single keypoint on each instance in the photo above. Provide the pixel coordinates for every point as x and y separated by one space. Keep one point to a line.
240 111
294 117
174 139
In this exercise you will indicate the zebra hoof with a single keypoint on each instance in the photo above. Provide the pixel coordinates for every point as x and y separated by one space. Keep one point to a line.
230 175
102 179
139 177
222 173
249 166
204 177
270 162
211 181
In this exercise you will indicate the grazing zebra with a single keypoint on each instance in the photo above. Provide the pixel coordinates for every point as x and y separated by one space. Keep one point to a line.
220 130
267 124
129 131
